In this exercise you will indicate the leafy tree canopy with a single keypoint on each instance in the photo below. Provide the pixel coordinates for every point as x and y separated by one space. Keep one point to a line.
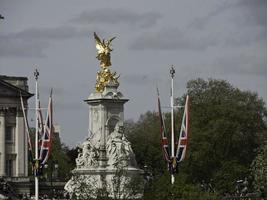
259 169
226 127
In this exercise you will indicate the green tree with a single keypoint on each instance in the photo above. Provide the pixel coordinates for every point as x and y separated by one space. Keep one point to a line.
226 127
57 156
162 189
259 169
144 136
72 155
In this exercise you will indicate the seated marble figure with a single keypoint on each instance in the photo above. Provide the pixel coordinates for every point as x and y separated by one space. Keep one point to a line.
119 150
88 155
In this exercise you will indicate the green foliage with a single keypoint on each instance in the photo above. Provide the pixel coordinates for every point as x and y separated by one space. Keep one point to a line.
162 189
259 169
145 138
226 127
57 156
72 154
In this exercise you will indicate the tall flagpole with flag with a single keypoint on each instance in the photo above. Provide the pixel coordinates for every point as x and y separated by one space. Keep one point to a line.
43 135
36 163
46 139
172 72
178 148
27 130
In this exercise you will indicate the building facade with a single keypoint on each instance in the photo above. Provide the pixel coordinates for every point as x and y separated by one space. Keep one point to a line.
13 138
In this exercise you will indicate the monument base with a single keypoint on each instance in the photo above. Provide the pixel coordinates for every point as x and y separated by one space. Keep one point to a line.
106 166
115 183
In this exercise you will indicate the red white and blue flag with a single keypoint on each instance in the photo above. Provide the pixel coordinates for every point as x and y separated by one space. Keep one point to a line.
27 130
164 139
40 124
46 138
183 138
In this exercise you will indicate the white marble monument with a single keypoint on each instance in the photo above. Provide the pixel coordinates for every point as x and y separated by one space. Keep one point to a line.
106 164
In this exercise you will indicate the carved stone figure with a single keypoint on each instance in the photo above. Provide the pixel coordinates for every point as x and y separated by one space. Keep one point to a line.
88 155
119 150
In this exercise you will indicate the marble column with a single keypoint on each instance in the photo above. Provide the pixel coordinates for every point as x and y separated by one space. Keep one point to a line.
2 143
20 145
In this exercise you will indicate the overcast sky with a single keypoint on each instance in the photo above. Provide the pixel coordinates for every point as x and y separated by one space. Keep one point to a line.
201 38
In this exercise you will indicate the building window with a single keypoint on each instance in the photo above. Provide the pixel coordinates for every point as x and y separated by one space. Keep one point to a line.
9 133
9 167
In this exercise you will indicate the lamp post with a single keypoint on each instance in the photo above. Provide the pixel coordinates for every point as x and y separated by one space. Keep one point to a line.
53 174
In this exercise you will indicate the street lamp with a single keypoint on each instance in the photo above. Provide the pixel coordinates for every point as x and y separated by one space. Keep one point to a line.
53 166
55 171
45 175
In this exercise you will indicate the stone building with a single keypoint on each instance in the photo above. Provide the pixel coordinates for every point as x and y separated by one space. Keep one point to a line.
13 139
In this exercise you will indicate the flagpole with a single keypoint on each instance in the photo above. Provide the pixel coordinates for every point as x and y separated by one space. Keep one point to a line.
36 74
172 72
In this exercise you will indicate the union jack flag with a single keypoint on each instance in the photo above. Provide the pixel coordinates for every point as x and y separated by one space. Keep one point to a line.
46 139
164 140
40 124
183 138
27 130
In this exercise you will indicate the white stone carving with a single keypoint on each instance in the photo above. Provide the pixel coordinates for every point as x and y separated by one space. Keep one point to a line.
88 155
119 150
106 161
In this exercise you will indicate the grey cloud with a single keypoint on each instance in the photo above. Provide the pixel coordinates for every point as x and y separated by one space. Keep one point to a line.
136 79
253 13
242 64
244 12
201 22
33 41
56 90
254 3
115 16
61 105
260 69
246 37
140 79
172 39
22 48
61 32
246 22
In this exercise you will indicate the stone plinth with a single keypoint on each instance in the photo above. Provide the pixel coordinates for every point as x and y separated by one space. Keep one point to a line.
117 183
106 164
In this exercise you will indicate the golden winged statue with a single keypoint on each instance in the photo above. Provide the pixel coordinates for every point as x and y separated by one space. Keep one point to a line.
103 50
104 76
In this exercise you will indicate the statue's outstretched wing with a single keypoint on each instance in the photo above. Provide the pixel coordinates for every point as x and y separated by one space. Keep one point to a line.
99 45
97 39
111 39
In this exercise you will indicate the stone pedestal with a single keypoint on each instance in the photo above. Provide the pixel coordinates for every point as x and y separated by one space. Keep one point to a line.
117 183
106 163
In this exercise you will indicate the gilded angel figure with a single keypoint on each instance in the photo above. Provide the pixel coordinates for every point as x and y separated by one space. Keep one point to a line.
103 50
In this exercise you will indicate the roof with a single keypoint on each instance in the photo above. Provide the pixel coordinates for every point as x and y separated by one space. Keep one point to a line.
4 77
8 89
